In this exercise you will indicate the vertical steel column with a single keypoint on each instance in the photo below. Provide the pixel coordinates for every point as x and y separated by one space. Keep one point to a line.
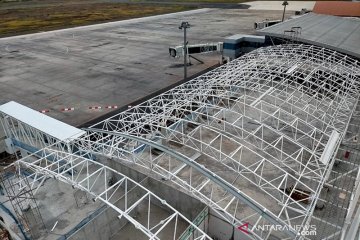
185 25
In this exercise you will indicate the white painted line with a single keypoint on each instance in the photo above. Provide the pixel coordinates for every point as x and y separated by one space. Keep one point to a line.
54 226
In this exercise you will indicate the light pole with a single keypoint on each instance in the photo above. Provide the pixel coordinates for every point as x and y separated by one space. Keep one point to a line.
185 25
285 3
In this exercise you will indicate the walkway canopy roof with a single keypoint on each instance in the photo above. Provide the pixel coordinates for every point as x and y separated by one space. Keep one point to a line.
48 125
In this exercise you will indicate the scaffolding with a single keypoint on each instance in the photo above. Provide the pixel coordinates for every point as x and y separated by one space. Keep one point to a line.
19 193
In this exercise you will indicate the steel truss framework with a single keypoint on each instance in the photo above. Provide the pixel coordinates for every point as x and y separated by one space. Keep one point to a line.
237 137
342 199
273 118
344 181
118 191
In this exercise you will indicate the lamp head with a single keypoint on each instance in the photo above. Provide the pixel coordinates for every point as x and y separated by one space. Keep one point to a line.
184 25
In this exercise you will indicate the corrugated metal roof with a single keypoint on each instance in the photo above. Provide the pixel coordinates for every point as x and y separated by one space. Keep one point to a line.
337 33
338 8
45 124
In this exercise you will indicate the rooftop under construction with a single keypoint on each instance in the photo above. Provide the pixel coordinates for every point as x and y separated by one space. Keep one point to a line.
265 146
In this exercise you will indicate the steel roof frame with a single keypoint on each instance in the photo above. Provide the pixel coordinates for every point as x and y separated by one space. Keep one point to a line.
281 105
93 178
299 93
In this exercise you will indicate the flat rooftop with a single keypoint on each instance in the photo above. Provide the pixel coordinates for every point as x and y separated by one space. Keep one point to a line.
337 33
110 64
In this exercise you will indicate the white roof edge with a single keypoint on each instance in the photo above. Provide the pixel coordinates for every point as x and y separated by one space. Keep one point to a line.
48 125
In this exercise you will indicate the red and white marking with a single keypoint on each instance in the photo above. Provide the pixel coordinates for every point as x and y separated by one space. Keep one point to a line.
67 109
111 107
94 107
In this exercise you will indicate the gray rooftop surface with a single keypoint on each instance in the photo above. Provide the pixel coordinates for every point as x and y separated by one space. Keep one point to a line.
337 33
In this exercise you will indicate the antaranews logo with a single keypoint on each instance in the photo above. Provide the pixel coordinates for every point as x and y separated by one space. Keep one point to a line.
306 231
244 228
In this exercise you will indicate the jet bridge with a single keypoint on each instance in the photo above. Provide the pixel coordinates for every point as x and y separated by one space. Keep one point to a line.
28 130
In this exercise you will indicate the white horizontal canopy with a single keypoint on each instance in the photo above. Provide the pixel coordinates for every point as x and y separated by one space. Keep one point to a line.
41 122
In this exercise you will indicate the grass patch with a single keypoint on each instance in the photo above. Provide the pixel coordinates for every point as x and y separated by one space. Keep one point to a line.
34 19
195 1
212 1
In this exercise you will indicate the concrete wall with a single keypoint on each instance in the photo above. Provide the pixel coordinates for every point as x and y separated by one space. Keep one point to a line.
107 223
187 205
222 230
182 202
202 221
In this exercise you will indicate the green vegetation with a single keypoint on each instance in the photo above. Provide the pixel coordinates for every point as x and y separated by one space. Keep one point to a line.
27 16
210 1
195 1
34 19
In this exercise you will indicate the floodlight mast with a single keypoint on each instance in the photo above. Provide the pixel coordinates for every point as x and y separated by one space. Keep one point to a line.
185 25
285 3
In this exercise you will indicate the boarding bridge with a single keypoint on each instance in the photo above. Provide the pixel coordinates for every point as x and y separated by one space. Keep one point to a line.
28 130
201 48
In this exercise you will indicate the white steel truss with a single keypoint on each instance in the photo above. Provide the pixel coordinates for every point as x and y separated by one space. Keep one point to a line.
271 120
342 197
216 189
104 184
244 138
